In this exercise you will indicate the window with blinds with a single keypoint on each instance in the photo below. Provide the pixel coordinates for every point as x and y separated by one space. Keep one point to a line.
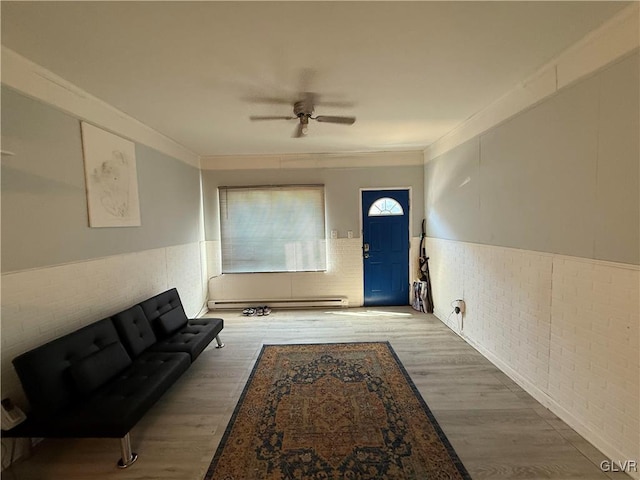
272 229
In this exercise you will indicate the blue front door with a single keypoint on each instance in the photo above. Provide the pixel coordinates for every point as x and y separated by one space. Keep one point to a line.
385 247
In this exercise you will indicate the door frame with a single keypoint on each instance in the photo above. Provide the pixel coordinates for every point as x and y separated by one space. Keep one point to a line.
410 223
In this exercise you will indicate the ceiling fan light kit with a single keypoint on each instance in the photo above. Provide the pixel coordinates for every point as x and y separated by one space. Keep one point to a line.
303 111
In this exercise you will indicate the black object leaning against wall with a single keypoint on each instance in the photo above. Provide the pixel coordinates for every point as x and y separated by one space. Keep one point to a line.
423 297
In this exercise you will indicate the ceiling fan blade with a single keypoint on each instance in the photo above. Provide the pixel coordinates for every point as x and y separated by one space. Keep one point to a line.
298 131
272 118
269 100
322 103
343 120
310 98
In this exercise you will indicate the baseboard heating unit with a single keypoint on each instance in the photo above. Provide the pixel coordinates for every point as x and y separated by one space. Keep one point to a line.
326 302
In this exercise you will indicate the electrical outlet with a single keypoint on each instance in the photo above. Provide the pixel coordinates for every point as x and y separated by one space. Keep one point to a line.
459 306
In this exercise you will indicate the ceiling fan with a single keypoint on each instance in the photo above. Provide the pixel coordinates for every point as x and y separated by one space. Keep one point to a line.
303 112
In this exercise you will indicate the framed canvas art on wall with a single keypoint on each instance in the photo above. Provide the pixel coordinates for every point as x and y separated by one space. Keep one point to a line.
111 178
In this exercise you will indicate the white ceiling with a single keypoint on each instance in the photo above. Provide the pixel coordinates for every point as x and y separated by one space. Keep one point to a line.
409 71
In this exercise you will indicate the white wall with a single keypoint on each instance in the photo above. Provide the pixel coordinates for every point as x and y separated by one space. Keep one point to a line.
565 328
343 278
343 176
59 274
534 221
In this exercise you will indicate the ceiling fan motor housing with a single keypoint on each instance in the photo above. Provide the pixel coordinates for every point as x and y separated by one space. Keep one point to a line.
302 109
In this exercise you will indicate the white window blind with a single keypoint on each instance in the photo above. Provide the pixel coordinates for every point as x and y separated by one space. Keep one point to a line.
272 229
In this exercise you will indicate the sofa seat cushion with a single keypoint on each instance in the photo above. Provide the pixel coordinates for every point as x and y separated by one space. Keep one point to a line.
116 407
192 338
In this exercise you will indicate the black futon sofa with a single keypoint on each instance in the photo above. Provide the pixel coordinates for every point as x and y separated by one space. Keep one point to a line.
101 379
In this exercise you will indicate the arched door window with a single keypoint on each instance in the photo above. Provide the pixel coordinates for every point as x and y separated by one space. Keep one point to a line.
385 206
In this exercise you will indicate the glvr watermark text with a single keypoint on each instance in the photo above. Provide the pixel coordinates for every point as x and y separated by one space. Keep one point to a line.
626 466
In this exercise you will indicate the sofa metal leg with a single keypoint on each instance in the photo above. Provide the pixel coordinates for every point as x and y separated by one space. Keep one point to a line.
128 457
219 342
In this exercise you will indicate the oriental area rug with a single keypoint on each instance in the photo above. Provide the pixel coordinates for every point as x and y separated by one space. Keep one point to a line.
343 411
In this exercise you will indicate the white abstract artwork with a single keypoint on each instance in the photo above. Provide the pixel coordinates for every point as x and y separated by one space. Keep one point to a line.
111 178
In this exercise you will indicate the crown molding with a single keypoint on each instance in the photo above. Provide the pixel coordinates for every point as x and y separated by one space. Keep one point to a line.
320 160
611 41
35 81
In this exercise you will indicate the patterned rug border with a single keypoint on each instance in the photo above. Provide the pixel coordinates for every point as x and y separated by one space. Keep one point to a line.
441 435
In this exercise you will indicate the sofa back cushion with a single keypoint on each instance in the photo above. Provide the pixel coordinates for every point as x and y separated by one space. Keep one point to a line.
90 373
134 329
171 321
44 371
165 312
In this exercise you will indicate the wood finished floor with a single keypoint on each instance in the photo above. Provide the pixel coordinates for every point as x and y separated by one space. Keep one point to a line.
498 430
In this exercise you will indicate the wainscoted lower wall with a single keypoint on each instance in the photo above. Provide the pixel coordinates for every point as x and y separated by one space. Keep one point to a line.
343 278
594 358
41 304
565 328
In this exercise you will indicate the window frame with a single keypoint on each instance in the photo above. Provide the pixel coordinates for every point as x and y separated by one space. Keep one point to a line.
322 247
382 212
